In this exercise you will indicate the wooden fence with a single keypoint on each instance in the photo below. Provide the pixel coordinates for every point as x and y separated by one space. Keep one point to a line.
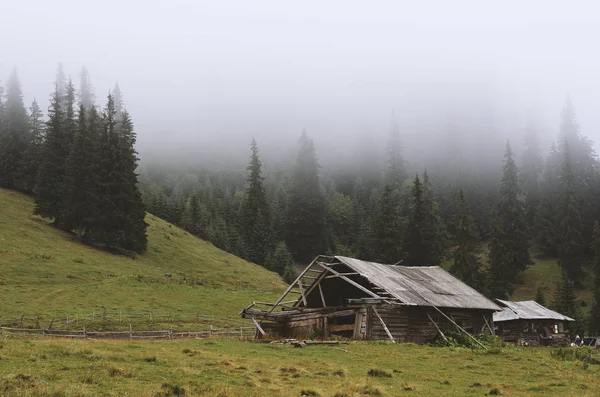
131 334
117 317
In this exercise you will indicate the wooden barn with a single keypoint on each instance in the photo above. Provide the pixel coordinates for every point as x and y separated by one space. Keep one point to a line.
366 300
529 323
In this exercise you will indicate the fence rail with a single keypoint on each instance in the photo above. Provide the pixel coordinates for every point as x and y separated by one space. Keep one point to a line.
116 317
236 332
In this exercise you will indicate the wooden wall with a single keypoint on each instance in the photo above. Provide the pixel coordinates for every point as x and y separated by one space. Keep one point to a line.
412 324
529 330
406 324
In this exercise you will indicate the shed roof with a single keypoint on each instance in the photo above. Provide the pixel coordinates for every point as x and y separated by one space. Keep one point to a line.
420 285
527 310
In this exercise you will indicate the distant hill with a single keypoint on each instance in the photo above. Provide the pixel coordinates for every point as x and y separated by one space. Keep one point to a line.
44 271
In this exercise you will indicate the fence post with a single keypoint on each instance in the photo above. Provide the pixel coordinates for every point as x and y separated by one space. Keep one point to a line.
241 332
67 323
171 332
84 333
210 332
120 317
130 332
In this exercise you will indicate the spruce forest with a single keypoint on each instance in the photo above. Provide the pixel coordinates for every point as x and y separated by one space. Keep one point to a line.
79 162
485 225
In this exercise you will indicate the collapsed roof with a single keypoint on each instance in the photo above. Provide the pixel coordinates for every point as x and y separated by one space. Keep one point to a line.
527 310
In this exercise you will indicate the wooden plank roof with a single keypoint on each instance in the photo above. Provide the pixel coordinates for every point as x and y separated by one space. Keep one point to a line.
527 310
420 285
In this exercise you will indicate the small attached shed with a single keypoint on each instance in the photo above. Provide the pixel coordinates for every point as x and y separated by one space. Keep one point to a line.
367 300
529 323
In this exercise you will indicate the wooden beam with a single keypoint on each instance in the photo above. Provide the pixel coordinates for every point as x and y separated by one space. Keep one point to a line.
459 327
488 324
343 274
354 283
302 292
387 331
438 329
259 328
340 327
321 293
289 288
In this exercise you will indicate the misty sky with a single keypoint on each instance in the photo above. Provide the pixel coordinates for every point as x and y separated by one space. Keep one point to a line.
202 71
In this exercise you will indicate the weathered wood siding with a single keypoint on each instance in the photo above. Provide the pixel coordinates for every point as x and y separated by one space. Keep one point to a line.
405 324
396 321
412 324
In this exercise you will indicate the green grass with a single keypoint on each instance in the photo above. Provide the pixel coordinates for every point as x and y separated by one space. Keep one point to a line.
545 273
44 271
236 368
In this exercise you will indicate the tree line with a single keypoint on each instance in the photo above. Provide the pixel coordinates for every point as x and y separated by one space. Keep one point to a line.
79 163
484 227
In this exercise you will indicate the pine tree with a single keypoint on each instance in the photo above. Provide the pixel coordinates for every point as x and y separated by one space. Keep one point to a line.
118 100
584 169
306 206
540 297
532 166
396 171
15 136
386 235
81 199
546 219
511 212
565 300
30 161
121 225
571 241
415 245
466 265
500 273
256 216
280 259
595 311
135 226
60 88
86 90
55 151
279 213
433 228
108 227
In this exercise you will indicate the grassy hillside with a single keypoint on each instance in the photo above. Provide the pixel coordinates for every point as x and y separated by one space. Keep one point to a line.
544 273
44 271
233 368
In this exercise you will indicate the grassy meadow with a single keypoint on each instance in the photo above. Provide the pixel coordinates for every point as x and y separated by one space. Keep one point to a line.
43 271
223 368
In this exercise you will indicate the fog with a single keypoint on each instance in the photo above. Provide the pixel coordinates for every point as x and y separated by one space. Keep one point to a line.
201 78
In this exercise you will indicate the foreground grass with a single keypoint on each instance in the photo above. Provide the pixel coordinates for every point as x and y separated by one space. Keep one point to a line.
44 271
236 368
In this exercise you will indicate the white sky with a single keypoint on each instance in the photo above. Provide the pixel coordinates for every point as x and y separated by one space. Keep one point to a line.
203 70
